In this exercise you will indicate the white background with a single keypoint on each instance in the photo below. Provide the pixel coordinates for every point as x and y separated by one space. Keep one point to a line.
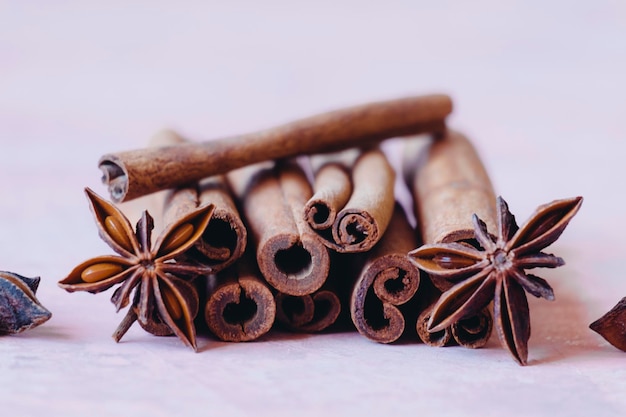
539 86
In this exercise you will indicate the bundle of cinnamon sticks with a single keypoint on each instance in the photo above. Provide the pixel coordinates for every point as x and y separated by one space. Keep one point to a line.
306 231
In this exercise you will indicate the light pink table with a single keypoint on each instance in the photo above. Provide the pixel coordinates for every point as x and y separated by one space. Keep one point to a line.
539 86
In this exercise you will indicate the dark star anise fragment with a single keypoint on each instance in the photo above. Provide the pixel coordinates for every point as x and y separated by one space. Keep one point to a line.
164 296
497 272
19 308
612 326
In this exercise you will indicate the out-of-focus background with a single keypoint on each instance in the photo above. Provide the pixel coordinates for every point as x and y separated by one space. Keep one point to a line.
538 86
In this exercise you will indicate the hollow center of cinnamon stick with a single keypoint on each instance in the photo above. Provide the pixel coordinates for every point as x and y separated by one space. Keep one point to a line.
241 312
356 233
373 311
295 261
320 213
396 285
293 306
220 235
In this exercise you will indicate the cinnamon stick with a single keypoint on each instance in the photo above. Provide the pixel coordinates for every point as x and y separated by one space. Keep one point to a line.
388 280
224 240
135 173
240 306
289 255
308 313
449 184
353 201
471 332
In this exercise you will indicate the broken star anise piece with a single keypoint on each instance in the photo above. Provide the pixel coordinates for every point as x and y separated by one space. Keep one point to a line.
19 308
498 271
164 296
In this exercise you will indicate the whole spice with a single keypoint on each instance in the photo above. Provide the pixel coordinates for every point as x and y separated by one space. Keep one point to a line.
449 184
497 271
224 239
353 199
132 174
308 313
289 255
612 326
388 280
470 332
240 306
19 308
164 297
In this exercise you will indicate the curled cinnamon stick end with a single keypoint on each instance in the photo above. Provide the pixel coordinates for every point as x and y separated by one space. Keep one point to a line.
473 332
388 280
353 201
612 326
132 174
435 339
224 239
240 307
289 256
308 313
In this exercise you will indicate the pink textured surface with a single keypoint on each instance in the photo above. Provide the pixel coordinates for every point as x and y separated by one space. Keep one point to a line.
539 86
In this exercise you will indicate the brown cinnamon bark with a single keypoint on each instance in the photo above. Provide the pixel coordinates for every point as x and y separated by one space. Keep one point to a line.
353 201
308 313
240 306
224 240
135 173
289 255
434 339
473 332
388 280
449 184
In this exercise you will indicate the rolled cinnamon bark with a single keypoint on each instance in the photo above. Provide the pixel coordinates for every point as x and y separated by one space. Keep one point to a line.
473 332
224 240
240 306
308 313
353 201
434 339
388 280
449 184
132 174
289 255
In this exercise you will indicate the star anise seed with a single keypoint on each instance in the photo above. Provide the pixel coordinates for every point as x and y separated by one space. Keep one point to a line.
497 271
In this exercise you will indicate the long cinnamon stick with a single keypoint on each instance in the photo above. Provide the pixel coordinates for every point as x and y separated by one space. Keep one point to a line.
353 201
240 306
289 255
224 240
388 280
135 173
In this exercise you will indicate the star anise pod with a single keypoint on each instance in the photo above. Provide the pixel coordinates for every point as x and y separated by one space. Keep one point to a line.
496 271
164 297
